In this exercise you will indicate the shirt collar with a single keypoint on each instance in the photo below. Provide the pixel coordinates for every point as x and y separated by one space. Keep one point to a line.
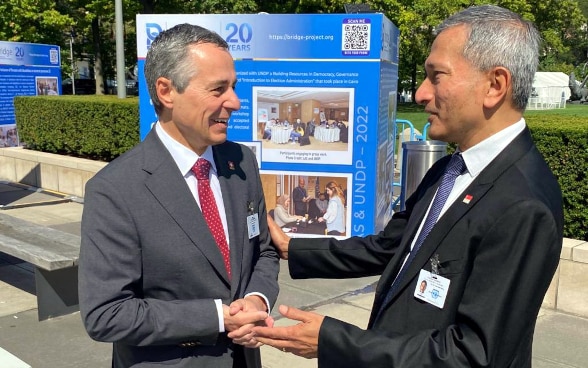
479 156
184 157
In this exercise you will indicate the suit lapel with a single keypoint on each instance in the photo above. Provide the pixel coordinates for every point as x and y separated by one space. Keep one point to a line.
416 217
228 169
169 188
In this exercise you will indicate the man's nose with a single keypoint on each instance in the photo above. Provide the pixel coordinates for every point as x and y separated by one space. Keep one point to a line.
423 93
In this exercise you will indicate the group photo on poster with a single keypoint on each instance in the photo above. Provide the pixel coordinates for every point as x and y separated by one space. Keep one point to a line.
47 86
8 136
308 125
313 204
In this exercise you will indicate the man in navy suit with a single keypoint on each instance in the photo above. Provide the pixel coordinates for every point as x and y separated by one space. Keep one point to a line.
153 279
492 252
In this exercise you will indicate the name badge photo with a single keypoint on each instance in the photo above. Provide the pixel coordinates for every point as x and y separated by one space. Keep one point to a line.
432 288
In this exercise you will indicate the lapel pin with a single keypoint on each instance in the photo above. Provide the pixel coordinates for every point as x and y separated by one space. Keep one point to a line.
467 198
231 165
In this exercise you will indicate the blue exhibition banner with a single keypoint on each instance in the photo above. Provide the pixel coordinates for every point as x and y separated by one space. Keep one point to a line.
26 69
318 99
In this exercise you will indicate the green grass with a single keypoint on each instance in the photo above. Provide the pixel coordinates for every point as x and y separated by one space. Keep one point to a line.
415 114
570 110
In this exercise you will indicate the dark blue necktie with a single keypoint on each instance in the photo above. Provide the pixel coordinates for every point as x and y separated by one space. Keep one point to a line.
455 168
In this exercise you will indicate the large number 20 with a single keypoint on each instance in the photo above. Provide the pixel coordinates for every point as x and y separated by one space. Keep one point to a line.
244 30
19 52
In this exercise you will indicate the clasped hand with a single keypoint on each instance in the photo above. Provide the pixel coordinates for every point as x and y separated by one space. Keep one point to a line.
240 318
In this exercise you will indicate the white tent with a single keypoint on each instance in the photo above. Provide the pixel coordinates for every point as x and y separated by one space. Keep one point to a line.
550 91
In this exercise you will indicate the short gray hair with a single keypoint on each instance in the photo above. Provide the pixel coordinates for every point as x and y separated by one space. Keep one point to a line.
499 37
168 57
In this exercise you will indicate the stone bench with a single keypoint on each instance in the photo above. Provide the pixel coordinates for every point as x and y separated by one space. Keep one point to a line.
55 256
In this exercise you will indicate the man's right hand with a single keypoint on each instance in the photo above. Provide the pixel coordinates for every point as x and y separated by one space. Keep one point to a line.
280 240
241 316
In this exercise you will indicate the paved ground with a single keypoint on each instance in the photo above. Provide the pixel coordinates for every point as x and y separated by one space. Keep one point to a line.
560 339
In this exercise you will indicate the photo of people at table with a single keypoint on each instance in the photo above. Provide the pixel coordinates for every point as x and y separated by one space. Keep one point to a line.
8 136
47 86
303 119
308 203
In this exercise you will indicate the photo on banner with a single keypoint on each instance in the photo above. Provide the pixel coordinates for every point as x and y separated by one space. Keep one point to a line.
278 184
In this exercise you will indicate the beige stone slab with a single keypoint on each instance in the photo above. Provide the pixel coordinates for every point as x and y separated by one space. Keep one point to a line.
345 312
572 295
50 215
16 152
545 313
70 181
580 253
364 301
49 176
90 166
568 246
550 298
14 300
7 171
26 172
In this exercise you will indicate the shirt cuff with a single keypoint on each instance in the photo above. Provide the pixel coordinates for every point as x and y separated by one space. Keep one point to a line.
221 318
266 301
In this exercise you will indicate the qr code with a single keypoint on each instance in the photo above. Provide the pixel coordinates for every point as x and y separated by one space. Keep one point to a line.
53 56
356 37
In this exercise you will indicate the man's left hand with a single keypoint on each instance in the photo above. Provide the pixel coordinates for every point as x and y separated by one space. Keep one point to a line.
300 339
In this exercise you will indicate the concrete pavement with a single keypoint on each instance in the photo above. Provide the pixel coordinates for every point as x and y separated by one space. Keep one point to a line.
62 342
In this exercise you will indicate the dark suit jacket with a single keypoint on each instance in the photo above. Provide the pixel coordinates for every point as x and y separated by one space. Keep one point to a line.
499 252
150 269
300 207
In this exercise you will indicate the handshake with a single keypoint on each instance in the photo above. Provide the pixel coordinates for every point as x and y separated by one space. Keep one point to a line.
242 315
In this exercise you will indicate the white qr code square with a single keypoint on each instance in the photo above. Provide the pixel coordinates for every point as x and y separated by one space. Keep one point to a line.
356 38
53 56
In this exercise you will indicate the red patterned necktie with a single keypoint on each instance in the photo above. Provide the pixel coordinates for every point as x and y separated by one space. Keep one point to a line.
210 211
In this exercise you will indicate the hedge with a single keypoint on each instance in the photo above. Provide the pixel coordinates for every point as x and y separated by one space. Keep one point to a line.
96 127
563 141
103 127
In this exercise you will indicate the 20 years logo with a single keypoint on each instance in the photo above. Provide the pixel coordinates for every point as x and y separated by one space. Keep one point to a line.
239 36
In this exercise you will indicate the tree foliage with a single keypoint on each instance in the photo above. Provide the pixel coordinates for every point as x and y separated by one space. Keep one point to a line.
562 24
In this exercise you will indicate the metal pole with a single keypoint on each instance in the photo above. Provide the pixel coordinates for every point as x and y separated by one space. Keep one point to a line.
73 83
120 51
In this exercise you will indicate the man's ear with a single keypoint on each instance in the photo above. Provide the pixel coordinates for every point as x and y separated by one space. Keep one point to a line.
500 87
165 91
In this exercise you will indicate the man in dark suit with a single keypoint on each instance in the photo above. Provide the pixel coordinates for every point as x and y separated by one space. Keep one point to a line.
489 258
300 198
176 265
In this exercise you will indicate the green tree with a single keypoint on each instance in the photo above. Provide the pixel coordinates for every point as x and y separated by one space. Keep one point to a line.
562 24
40 21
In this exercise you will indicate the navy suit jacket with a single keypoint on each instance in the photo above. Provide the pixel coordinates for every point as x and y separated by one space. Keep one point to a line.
150 269
499 250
